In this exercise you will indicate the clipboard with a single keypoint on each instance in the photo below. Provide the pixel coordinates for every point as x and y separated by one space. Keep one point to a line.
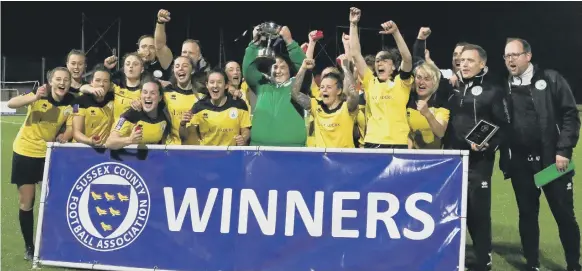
481 133
551 173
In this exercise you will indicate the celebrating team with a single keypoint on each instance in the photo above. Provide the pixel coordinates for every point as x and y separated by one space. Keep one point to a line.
400 100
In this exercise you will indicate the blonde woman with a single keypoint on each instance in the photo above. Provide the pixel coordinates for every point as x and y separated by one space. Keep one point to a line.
427 115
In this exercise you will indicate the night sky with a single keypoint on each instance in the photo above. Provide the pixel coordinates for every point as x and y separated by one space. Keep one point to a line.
32 30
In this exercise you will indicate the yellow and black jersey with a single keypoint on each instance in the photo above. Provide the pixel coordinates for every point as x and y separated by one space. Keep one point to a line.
333 127
77 91
309 124
420 132
179 101
361 128
98 116
310 142
154 131
386 109
124 95
244 88
44 119
218 125
315 93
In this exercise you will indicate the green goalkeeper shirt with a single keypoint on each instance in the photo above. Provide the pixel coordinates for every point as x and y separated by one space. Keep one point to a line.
275 121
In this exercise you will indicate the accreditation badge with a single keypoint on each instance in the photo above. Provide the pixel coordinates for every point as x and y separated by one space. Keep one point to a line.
541 84
476 90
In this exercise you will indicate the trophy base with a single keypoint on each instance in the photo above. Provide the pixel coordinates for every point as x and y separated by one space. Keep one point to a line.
265 60
266 53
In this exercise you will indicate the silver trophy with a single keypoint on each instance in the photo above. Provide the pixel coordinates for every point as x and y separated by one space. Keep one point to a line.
268 34
268 31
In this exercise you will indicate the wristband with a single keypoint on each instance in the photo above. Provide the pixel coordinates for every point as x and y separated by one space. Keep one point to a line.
160 22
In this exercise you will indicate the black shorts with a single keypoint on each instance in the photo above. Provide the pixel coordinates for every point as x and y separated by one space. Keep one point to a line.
26 170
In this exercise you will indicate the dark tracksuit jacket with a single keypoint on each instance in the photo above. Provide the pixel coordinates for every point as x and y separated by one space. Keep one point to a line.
544 123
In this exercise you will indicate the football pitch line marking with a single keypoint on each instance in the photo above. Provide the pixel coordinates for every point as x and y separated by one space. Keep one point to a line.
10 122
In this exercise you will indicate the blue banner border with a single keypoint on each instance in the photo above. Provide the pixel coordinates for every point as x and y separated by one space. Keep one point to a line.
51 145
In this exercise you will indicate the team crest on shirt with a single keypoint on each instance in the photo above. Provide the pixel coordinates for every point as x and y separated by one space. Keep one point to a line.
204 115
173 97
93 112
233 113
108 207
541 84
476 90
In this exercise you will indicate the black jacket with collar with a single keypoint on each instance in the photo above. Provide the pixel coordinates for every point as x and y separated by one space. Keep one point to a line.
558 117
478 98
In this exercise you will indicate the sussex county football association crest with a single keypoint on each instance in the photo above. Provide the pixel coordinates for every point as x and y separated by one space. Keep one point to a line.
108 207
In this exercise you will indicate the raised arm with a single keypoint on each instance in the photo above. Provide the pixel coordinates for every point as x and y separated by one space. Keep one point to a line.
26 99
350 86
250 70
163 53
390 28
295 53
310 46
355 49
419 47
302 99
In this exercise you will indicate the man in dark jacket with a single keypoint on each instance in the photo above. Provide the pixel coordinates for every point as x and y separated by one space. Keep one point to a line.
544 130
474 100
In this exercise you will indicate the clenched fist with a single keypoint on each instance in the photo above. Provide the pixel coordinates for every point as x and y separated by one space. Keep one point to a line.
163 16
308 64
389 27
423 33
286 34
110 62
240 140
355 14
422 107
186 117
41 92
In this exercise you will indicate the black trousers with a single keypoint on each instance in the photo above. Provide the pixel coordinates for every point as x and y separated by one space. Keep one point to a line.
559 194
479 207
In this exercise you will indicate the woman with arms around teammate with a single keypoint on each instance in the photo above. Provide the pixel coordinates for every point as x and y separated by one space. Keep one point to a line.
219 119
151 125
93 115
48 109
427 115
126 85
335 114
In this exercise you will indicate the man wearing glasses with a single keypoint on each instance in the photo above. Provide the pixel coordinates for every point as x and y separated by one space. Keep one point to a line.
544 130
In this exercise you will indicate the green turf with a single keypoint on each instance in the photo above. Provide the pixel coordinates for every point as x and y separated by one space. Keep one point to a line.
506 245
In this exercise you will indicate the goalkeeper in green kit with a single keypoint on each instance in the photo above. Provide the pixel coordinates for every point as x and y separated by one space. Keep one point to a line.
276 121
